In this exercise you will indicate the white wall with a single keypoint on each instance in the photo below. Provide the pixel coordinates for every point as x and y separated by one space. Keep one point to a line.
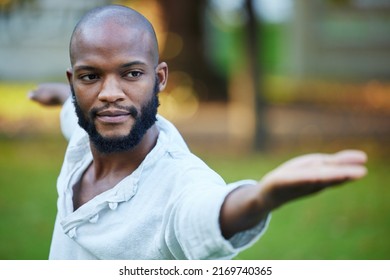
34 38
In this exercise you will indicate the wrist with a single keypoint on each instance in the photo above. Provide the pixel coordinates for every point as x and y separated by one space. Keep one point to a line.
242 210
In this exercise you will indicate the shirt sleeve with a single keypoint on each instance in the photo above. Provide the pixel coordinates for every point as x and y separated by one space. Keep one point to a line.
247 238
196 228
68 119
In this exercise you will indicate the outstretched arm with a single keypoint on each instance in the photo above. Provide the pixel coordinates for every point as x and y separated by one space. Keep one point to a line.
54 94
50 94
247 205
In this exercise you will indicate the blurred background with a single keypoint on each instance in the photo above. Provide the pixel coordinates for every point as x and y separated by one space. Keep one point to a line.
252 83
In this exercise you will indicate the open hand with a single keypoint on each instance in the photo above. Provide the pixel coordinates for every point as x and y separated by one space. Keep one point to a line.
309 174
50 94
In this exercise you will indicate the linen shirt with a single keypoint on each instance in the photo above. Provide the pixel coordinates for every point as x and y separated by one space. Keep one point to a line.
168 208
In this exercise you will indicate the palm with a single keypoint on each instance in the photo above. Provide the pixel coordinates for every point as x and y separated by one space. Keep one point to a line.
309 174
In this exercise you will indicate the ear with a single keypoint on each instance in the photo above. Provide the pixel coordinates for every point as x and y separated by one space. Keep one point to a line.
69 75
162 74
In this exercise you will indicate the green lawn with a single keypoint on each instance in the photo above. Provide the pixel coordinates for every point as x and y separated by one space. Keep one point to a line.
29 169
348 222
351 222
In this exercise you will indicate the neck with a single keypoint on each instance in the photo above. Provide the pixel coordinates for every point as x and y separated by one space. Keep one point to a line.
124 163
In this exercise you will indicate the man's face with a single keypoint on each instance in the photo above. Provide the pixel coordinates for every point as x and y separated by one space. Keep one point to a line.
115 85
144 119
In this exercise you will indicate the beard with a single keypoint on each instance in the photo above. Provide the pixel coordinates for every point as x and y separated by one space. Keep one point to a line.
144 119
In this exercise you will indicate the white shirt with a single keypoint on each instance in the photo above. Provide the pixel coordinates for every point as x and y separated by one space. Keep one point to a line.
168 208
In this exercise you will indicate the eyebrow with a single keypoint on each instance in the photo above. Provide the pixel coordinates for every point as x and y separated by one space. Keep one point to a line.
125 65
84 67
130 64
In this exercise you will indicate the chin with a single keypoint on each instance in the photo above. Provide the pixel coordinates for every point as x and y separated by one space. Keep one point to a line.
114 136
114 132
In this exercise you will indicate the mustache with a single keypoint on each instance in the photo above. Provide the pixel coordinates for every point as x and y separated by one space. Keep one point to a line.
130 109
94 111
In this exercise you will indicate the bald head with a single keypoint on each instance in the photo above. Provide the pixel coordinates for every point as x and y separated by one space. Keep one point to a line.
121 18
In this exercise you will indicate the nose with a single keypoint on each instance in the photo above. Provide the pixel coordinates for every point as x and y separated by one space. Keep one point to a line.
111 91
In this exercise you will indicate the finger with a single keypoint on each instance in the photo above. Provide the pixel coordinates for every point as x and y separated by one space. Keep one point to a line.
325 174
351 156
346 172
328 174
342 157
346 157
31 95
37 96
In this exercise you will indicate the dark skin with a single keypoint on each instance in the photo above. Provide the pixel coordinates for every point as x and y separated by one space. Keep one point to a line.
106 171
107 69
50 94
111 69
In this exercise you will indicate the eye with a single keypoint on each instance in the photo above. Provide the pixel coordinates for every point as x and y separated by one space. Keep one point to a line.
134 74
89 77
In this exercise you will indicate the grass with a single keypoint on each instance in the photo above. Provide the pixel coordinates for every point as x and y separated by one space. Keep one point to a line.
350 222
29 168
20 116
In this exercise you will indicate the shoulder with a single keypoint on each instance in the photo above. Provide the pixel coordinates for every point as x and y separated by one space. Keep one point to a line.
68 118
179 160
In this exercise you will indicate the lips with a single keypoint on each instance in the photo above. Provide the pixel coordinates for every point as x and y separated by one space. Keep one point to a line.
113 116
113 113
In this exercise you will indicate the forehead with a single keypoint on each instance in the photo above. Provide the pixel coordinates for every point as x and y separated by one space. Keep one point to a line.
110 42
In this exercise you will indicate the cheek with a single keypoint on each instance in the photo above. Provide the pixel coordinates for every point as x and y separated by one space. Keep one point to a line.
136 96
85 98
142 92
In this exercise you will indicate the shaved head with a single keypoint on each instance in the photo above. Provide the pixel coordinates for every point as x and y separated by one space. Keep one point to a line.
115 77
120 17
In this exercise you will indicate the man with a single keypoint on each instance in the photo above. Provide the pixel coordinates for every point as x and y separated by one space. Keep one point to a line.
129 187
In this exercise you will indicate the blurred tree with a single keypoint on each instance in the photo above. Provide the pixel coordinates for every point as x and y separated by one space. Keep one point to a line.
340 2
185 20
256 74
